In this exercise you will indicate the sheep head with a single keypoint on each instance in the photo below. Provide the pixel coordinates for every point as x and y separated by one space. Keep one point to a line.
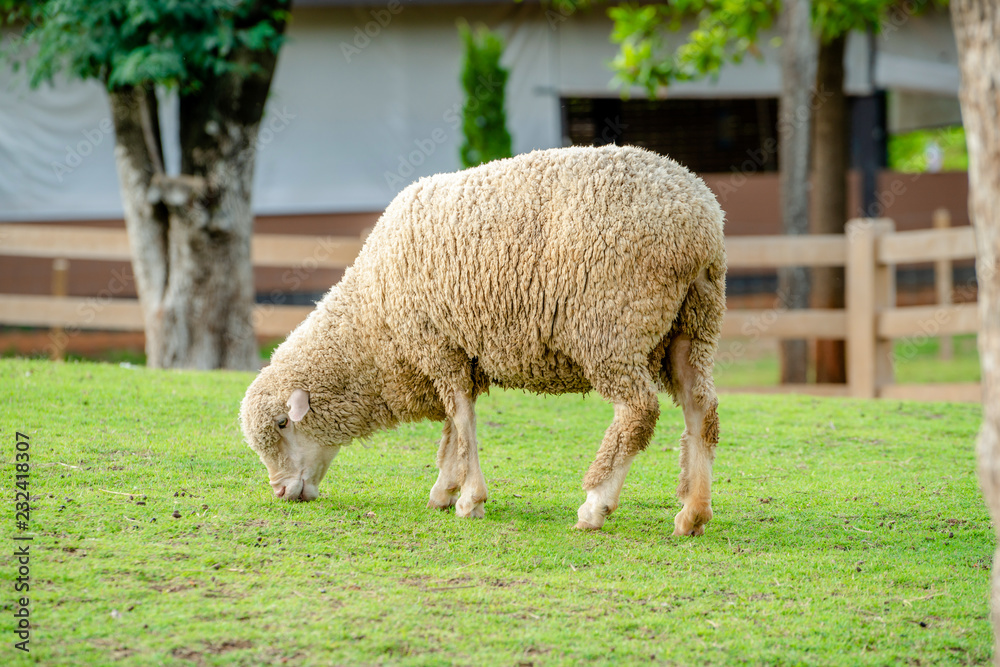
276 421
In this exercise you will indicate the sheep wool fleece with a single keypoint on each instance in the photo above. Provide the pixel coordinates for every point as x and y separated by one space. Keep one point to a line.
563 270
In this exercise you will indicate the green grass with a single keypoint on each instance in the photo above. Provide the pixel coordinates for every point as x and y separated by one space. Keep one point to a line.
916 362
846 533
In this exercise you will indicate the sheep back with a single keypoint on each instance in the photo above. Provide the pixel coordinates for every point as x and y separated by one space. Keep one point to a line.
544 269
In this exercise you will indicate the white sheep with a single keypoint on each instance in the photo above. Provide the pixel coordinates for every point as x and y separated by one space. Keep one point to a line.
564 270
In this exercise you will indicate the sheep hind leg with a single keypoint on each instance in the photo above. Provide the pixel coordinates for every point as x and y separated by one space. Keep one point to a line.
444 493
629 433
695 392
473 485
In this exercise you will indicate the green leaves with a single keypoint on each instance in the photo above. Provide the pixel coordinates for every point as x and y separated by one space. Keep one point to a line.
484 120
725 31
259 37
146 63
138 42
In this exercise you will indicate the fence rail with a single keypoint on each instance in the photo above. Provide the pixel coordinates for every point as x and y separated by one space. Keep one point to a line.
869 251
325 252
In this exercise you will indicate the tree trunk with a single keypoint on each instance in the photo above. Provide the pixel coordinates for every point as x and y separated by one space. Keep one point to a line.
190 234
977 33
798 68
145 220
828 203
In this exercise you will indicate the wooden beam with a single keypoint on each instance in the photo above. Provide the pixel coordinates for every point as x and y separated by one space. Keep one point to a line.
339 251
927 245
91 243
66 242
122 314
944 283
307 252
71 312
756 252
885 299
928 321
278 321
862 281
60 289
859 295
784 323
964 392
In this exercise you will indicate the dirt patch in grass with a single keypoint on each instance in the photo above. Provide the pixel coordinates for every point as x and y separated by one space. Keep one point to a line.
174 587
197 656
113 648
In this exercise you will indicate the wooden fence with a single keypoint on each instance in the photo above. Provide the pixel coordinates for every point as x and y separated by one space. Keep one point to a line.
869 251
105 312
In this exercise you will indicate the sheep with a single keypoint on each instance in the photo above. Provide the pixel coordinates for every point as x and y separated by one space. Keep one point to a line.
565 270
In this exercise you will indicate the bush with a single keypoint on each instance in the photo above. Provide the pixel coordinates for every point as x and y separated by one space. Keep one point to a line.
484 120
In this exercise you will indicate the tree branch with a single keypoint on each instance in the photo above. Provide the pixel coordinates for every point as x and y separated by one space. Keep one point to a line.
152 145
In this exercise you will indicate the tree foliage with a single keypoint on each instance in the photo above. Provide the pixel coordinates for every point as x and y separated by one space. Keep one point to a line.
177 43
726 31
484 118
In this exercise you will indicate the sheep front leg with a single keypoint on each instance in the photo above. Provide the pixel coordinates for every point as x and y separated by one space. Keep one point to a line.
628 434
444 493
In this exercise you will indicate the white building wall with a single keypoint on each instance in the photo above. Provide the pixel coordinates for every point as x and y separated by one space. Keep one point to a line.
354 117
56 157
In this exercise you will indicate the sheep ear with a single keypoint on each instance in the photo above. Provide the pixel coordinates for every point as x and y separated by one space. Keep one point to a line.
298 405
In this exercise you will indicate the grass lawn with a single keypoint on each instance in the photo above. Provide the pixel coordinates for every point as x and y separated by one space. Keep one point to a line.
845 533
915 362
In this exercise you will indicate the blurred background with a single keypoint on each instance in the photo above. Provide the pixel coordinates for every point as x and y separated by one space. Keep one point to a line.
367 97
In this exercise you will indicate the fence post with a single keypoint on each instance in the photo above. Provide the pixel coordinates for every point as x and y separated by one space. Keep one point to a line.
885 297
868 288
60 283
944 282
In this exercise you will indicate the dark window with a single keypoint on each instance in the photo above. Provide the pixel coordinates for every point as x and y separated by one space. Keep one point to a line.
706 135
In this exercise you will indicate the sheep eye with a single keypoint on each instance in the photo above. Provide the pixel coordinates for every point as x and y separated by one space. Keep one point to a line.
283 422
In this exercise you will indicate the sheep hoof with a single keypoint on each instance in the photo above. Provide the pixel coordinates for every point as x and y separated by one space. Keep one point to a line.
470 503
473 511
690 522
444 505
592 513
696 531
442 498
431 505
